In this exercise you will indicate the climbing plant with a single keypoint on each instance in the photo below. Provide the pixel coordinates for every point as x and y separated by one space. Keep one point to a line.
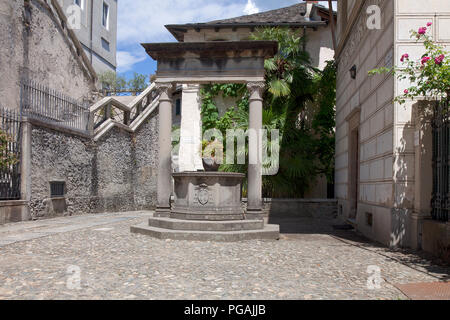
429 75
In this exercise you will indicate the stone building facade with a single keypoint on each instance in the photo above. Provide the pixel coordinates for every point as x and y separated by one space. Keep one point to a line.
35 44
383 149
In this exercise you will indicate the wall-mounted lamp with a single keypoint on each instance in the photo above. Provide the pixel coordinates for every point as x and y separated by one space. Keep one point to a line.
353 72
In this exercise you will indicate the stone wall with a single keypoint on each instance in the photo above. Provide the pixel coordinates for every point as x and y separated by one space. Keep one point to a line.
436 238
40 52
301 208
116 173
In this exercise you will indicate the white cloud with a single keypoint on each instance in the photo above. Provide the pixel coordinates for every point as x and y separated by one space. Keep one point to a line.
251 8
126 60
143 20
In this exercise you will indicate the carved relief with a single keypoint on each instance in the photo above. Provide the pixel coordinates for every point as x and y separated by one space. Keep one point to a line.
357 35
202 194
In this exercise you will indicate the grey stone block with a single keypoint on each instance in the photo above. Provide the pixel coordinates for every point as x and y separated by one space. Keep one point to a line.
269 232
206 216
175 224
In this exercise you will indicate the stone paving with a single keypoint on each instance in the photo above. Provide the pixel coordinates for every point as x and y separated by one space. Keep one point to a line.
96 257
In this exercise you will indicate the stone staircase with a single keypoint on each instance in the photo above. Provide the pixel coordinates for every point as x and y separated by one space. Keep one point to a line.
110 112
203 230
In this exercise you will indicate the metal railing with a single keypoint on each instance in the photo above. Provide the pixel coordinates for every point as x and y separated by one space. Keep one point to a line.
58 110
440 203
121 92
47 105
111 109
10 141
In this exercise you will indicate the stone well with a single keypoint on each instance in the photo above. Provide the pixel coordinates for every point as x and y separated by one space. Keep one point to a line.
207 207
207 196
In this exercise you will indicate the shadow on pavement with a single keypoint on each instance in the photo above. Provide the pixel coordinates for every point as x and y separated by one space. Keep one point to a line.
311 229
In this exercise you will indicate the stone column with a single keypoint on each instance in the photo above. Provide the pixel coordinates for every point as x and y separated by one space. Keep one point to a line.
189 157
165 147
254 197
25 167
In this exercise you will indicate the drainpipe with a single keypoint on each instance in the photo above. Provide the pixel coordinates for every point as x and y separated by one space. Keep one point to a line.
333 32
92 27
304 38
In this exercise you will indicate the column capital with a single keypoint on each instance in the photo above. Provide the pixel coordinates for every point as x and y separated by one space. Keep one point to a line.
164 88
258 85
191 87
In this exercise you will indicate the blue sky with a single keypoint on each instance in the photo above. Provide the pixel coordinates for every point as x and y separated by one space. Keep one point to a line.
143 21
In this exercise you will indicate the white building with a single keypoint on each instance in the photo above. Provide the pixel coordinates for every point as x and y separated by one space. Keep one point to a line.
383 149
97 32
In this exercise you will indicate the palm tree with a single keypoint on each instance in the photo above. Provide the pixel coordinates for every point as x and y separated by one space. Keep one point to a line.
296 94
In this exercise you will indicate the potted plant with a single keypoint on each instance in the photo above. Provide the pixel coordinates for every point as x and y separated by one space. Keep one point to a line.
212 154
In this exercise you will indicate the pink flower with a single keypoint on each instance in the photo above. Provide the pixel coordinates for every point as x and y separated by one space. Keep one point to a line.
406 91
422 30
405 56
425 59
429 24
438 60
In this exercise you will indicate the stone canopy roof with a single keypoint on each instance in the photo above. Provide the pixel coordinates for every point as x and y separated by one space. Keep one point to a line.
292 16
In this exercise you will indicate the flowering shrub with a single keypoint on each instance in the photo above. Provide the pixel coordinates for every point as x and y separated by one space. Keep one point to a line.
429 76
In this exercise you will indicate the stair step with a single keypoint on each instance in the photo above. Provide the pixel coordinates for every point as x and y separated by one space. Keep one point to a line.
269 232
232 225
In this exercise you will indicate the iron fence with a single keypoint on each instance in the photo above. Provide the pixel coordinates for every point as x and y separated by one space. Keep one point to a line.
440 203
52 107
10 141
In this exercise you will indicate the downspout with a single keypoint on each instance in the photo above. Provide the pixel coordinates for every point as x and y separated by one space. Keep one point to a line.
92 27
333 31
304 38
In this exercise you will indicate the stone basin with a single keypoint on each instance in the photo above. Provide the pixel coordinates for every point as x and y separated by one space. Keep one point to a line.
207 196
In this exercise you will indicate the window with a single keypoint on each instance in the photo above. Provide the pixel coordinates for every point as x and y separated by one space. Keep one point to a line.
57 189
369 219
105 44
79 3
178 107
105 18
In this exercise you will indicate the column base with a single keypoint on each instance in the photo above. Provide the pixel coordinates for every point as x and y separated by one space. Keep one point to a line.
416 229
254 214
163 212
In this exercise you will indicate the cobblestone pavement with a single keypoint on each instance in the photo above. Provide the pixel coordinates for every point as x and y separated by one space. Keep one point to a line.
44 260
